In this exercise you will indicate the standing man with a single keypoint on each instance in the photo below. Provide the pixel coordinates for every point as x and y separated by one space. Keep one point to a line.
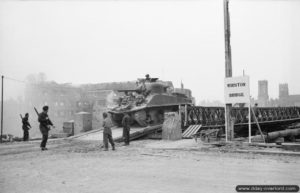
45 124
147 78
26 126
107 134
126 128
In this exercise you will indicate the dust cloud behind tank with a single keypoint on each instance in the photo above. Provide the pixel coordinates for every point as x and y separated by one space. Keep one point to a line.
147 103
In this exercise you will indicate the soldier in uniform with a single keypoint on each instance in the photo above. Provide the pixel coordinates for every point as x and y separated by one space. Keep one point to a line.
107 134
26 126
126 128
147 78
45 124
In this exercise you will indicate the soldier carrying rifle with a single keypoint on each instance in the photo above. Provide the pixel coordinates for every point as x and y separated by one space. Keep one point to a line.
45 124
26 126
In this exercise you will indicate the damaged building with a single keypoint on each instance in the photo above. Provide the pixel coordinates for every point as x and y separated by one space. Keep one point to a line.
68 102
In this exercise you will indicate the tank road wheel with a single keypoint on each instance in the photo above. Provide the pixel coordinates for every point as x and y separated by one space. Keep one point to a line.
141 117
157 116
116 119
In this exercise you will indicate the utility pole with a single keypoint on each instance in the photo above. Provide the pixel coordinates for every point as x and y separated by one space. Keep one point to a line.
228 69
2 78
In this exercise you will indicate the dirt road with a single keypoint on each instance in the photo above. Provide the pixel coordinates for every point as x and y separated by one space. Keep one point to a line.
82 167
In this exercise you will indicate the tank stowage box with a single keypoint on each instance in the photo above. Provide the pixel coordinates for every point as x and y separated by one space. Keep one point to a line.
83 122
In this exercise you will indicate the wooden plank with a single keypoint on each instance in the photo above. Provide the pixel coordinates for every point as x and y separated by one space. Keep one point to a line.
191 130
194 131
188 130
146 131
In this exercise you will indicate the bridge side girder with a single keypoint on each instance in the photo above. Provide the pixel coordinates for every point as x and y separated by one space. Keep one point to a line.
215 116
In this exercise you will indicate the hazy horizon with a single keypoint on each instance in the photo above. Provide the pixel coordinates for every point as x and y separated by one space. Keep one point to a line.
112 41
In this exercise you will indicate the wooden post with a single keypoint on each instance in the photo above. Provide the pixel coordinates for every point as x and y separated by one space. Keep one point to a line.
249 121
185 115
179 113
2 78
228 70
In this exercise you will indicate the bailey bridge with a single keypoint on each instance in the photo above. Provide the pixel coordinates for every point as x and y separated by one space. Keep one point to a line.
268 118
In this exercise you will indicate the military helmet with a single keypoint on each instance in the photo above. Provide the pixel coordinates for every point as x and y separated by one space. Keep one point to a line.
45 108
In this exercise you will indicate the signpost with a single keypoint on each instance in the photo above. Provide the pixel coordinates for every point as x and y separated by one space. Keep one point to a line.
237 90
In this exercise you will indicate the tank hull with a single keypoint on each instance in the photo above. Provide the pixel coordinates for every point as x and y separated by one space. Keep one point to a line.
147 103
151 112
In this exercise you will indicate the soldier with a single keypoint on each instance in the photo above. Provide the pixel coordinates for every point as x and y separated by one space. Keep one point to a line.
107 135
139 99
45 124
126 128
26 126
147 78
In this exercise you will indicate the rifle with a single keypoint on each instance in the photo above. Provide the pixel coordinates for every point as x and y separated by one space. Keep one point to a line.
39 115
36 111
22 120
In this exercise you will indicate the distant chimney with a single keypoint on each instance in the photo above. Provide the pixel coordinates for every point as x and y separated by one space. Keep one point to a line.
263 90
283 90
263 96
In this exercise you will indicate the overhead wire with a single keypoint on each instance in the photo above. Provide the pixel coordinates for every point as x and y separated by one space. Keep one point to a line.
40 84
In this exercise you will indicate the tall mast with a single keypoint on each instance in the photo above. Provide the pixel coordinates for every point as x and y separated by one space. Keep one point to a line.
229 125
228 65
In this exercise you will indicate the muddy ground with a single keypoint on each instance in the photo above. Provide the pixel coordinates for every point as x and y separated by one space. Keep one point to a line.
146 166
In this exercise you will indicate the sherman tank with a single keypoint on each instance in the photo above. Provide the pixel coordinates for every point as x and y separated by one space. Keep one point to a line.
147 103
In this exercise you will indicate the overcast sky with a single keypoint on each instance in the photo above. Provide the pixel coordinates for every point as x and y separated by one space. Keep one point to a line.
106 41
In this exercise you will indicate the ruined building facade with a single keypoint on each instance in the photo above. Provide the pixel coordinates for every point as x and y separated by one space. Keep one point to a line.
61 98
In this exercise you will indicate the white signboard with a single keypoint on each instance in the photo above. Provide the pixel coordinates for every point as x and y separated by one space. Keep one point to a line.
237 90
